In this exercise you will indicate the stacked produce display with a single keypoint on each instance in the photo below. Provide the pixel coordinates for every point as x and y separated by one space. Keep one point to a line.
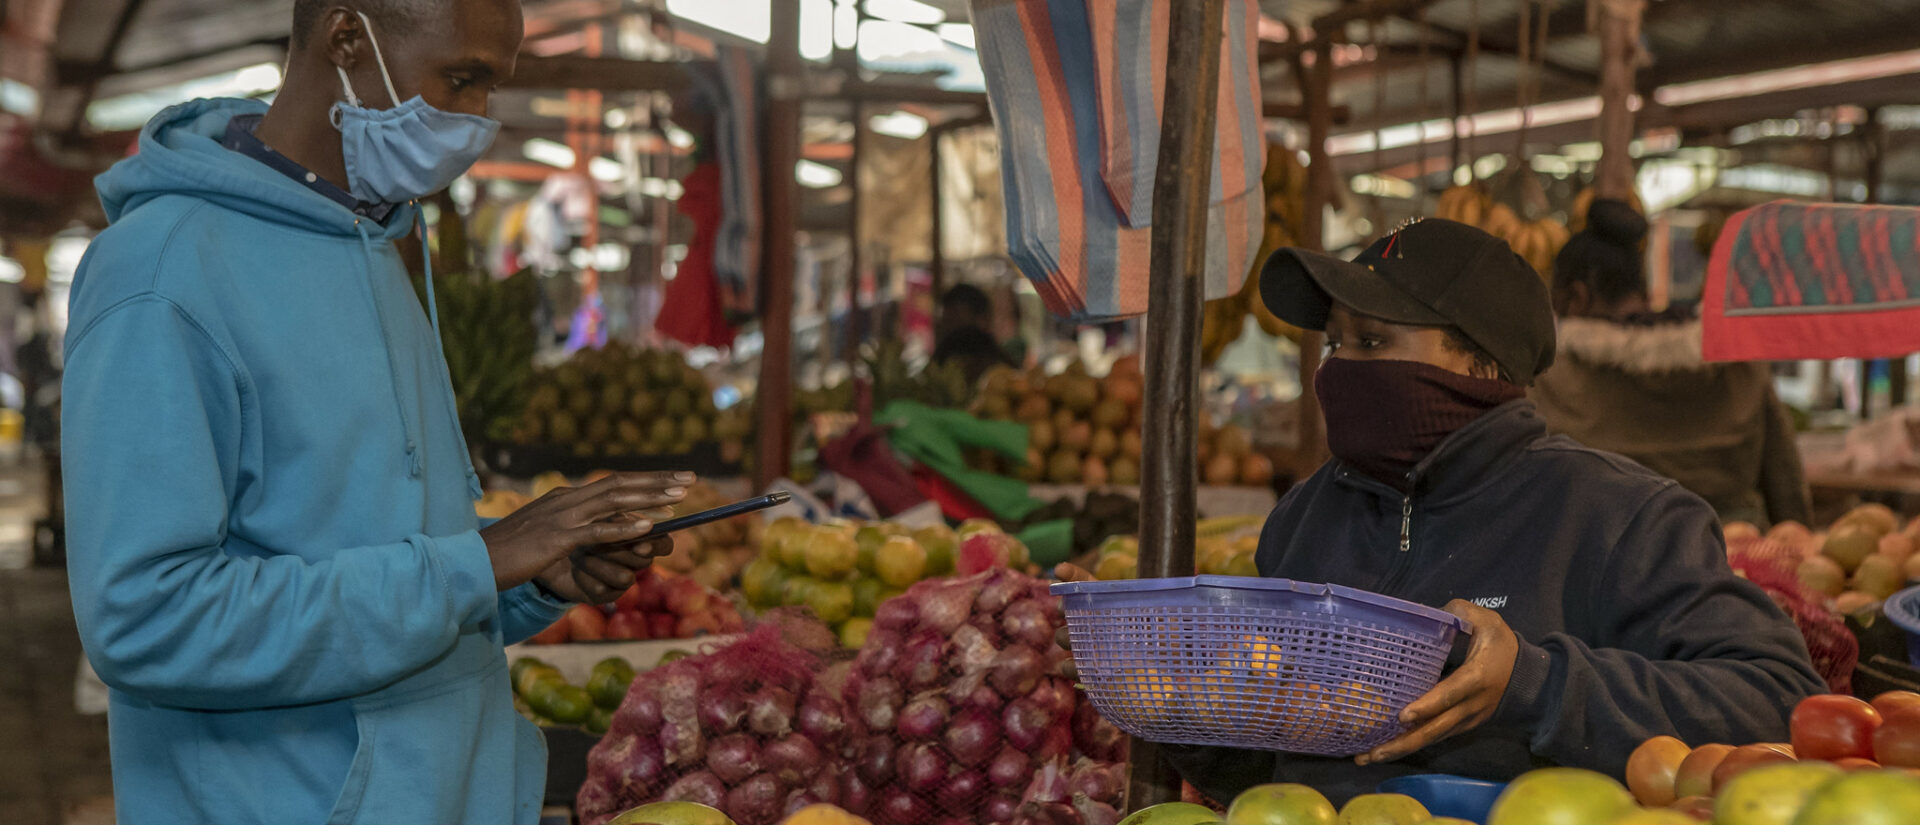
657 606
1086 430
541 694
1119 557
954 710
617 401
1859 561
843 571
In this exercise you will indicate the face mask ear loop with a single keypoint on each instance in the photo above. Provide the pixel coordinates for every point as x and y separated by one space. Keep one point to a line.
375 41
333 114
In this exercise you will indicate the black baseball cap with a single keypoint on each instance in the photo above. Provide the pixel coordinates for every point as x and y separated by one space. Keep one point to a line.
1434 273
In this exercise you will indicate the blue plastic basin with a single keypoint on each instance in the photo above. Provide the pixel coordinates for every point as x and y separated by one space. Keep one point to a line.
1445 795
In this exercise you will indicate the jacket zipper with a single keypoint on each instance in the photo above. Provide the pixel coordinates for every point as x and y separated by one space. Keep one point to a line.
1406 524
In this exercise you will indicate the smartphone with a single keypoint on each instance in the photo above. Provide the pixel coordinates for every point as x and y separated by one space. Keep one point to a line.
722 512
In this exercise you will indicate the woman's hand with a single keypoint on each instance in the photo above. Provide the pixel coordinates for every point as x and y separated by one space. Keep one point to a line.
1069 573
1465 699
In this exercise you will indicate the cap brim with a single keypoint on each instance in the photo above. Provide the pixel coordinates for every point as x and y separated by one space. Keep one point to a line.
1300 287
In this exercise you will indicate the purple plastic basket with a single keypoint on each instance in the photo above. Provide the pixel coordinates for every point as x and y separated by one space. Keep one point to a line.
1265 664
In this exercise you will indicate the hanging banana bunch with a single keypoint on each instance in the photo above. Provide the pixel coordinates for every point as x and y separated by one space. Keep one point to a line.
1284 181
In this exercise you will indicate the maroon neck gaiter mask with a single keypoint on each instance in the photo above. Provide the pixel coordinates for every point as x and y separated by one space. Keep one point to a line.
1383 417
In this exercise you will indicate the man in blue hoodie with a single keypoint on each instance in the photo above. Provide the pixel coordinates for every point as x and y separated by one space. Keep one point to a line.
275 562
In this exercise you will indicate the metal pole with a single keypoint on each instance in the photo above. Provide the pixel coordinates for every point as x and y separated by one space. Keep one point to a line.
1614 178
937 258
774 444
856 251
1318 93
1182 180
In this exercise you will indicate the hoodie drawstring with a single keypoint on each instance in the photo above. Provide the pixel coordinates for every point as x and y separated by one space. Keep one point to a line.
393 369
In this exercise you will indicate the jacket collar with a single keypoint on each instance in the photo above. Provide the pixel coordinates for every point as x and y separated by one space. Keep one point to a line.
1466 461
1640 349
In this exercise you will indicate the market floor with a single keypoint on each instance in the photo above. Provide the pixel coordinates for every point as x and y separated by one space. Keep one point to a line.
53 761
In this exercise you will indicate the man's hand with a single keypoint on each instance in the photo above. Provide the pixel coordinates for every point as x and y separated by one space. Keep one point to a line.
596 532
1466 698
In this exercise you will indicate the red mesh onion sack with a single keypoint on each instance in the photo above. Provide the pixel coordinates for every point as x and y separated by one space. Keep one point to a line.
956 703
747 728
1773 566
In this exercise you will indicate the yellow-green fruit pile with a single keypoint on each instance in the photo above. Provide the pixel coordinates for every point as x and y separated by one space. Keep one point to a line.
842 571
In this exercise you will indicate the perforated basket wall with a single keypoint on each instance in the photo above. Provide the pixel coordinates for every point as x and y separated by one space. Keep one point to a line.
1266 664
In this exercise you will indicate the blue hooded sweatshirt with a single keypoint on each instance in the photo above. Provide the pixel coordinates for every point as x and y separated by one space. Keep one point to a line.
273 548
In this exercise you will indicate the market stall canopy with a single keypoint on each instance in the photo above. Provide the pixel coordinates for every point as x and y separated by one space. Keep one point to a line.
1797 280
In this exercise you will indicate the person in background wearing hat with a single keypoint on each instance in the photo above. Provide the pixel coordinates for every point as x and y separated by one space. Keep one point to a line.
1633 382
1601 605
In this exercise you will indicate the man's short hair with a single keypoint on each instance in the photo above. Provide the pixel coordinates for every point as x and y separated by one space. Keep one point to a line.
387 15
968 299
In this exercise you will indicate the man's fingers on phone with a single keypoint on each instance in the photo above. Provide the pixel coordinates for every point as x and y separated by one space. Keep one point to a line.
624 557
608 532
604 570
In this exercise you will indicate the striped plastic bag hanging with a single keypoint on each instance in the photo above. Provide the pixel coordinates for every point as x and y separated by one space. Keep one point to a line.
1065 229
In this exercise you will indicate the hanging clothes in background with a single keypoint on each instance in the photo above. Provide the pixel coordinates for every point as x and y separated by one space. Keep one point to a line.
692 311
733 94
1813 280
1075 87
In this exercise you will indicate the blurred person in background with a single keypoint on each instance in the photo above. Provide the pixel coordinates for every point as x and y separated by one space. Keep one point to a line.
1632 381
964 332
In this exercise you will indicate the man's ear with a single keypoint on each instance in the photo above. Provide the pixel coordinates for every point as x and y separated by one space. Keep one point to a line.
344 37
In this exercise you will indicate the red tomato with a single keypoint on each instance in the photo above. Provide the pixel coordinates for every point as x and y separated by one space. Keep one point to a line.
1746 758
585 623
1894 700
663 626
627 626
1852 764
629 602
555 633
1896 744
1833 727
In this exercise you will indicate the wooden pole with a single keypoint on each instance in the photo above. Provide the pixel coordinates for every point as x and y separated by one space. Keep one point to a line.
1619 29
937 256
1318 93
774 442
856 252
1178 260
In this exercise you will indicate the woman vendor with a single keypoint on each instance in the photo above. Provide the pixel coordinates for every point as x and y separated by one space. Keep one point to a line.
1602 607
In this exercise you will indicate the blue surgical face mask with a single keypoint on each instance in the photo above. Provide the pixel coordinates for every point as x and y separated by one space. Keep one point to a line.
409 151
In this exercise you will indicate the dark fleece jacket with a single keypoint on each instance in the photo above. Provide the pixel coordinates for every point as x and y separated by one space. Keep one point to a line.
1615 580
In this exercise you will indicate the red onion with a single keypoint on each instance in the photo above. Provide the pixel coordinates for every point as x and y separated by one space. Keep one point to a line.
1025 621
1049 784
822 718
627 764
721 708
701 787
733 757
896 615
682 743
878 703
875 764
898 807
1096 736
1016 671
757 801
924 718
791 759
947 605
962 791
1026 724
770 711
639 714
925 660
732 673
973 737
881 654
1052 813
800 798
855 794
1010 768
1002 807
972 649
962 686
923 768
1058 743
1099 781
825 785
999 591
1055 695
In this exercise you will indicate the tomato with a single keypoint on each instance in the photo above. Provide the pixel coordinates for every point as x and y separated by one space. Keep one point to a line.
1746 758
1852 764
1894 700
1651 769
585 623
1695 774
1833 727
1896 744
1698 807
625 625
629 601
